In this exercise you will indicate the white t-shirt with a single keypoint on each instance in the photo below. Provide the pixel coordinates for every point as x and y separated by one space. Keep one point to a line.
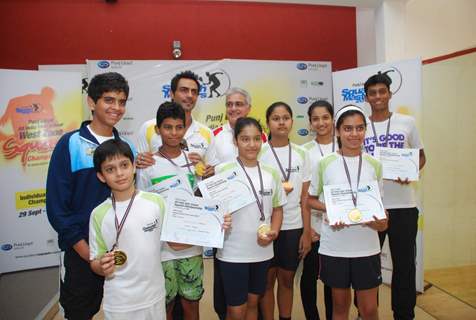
241 241
99 138
139 283
160 171
300 173
356 240
199 139
315 156
403 134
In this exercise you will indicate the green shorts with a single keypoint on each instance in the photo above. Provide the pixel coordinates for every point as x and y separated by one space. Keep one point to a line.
184 277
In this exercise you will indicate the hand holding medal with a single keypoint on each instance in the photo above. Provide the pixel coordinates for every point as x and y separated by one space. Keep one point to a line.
107 264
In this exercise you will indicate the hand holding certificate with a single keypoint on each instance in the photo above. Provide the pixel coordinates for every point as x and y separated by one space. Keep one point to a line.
227 188
341 209
193 220
399 163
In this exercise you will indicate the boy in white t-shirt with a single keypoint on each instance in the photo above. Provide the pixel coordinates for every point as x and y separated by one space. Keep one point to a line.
395 130
124 239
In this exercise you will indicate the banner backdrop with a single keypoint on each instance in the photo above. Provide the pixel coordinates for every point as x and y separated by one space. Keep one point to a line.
298 83
36 108
406 98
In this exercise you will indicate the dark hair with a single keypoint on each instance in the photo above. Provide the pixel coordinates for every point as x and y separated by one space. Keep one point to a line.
273 106
320 104
187 74
107 82
169 110
241 123
110 149
376 79
342 118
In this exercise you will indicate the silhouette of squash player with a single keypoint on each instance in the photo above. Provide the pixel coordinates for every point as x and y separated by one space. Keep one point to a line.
215 83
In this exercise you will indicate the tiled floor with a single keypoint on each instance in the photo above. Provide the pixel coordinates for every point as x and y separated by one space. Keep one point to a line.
433 304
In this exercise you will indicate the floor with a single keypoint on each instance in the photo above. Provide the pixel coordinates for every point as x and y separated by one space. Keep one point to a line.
435 303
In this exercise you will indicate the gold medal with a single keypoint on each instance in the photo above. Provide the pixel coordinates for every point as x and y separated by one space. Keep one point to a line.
287 186
355 215
263 230
120 257
200 169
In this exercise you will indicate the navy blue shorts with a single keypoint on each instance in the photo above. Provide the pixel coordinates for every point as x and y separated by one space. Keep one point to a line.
286 249
361 273
240 279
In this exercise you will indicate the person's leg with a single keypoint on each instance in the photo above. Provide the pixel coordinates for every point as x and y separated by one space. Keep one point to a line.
328 301
81 290
403 227
341 298
308 283
235 278
218 292
252 307
285 292
190 285
367 303
267 300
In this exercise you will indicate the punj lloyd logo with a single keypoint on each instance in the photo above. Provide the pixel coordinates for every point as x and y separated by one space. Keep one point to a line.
103 64
7 247
303 132
301 66
302 100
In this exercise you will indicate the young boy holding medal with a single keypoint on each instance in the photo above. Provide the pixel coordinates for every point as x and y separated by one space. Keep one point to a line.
294 240
73 191
247 250
350 255
124 238
395 130
183 269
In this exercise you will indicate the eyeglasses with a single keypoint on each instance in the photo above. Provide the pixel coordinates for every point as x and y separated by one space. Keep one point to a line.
237 104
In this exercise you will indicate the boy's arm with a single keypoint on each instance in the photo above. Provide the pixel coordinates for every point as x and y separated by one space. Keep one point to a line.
58 200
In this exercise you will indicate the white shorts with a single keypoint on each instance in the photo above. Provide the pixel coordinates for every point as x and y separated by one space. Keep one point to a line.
154 312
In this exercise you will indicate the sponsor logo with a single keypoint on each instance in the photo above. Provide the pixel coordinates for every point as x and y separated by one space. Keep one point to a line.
303 132
7 247
213 84
103 64
301 66
232 176
198 145
311 66
302 100
266 192
303 83
365 188
215 208
316 83
35 107
176 184
150 226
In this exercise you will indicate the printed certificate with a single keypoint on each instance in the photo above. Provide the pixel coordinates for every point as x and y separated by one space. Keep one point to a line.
399 163
340 207
193 220
177 184
227 188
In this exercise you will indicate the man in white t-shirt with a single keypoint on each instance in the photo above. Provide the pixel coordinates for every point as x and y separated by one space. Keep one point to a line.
394 130
184 88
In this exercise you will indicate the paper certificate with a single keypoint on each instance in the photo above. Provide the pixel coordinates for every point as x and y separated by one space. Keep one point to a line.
229 189
340 207
399 163
178 184
193 220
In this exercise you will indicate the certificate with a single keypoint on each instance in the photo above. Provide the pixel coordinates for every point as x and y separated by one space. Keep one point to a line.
229 189
178 184
339 204
193 220
399 163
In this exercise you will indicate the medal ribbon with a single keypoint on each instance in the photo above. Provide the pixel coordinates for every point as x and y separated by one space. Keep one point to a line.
260 204
173 163
320 149
285 176
386 136
354 196
123 220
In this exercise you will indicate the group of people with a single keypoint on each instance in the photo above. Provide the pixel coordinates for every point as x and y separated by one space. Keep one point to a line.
99 200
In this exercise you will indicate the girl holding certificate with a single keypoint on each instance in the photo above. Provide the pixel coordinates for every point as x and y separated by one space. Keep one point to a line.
247 249
350 254
321 120
294 241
